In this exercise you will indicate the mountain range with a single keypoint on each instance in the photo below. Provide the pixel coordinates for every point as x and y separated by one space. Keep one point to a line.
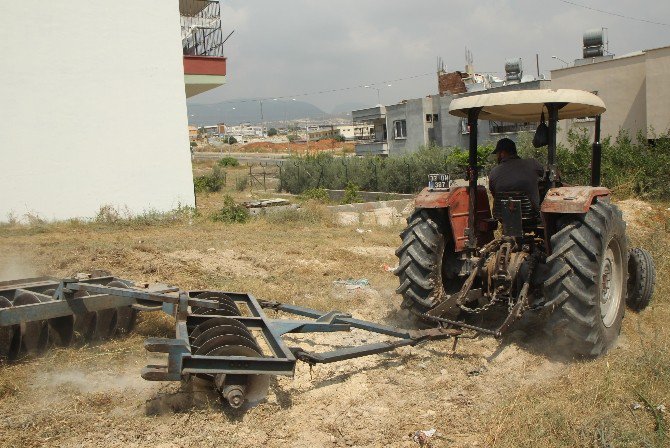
249 111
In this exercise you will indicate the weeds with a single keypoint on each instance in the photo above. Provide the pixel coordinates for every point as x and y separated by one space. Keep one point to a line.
315 194
351 194
228 161
231 212
211 182
241 183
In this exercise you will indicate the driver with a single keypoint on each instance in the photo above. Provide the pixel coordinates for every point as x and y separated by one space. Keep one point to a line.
514 173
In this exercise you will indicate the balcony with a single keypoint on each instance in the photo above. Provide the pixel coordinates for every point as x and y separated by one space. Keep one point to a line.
372 148
202 44
375 144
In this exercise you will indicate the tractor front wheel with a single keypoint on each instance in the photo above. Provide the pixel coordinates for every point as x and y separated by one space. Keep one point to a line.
641 279
587 280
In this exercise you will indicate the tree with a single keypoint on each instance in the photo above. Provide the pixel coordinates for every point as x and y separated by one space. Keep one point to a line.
272 132
232 140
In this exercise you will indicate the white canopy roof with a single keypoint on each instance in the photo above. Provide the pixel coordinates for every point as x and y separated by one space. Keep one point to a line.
527 105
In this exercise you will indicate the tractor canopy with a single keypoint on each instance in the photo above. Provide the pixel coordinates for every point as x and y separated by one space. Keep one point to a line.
524 106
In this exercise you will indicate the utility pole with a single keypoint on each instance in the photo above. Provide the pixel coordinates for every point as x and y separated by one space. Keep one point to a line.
262 120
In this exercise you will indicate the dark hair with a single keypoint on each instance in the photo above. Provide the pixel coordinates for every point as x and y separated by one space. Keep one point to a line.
505 144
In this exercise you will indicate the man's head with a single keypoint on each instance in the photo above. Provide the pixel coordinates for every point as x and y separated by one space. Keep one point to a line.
504 148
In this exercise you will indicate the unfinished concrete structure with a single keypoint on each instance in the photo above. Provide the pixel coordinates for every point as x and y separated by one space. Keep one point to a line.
407 126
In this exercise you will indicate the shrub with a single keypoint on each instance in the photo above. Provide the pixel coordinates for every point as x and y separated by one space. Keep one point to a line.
629 167
402 174
231 212
315 194
228 161
339 138
272 132
231 140
212 182
241 183
351 194
292 137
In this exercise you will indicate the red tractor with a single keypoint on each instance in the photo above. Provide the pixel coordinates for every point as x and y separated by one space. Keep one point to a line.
568 260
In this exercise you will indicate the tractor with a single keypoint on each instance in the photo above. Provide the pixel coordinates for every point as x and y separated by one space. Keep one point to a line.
567 260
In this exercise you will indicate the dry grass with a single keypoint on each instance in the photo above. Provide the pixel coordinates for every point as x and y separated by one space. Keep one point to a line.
92 395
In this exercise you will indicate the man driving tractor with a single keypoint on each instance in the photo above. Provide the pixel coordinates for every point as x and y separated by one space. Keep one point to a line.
514 173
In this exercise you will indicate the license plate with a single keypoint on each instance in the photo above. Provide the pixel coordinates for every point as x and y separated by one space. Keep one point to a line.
438 181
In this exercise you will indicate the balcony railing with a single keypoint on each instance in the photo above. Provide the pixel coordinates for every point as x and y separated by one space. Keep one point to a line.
378 148
201 33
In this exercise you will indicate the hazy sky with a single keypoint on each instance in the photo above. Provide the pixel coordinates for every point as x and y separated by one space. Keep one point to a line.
292 47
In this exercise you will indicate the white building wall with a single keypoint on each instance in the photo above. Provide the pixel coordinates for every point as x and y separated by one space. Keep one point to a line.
93 109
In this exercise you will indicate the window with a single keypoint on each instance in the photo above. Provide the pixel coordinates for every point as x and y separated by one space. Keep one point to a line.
400 129
465 127
500 127
429 118
436 117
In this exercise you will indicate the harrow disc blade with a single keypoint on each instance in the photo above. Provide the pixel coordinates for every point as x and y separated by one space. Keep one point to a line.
107 323
61 329
126 315
35 334
224 335
10 336
227 306
215 338
215 322
86 322
257 386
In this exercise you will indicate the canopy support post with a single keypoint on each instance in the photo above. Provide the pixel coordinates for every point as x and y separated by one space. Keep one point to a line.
596 156
473 174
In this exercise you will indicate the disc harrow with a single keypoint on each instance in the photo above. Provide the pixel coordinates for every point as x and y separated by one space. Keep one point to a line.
224 338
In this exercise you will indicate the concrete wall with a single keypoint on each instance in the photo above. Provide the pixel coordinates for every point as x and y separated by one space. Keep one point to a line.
413 111
621 83
658 90
93 108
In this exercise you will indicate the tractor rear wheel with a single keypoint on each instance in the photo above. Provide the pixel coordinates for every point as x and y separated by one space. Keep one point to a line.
587 280
428 266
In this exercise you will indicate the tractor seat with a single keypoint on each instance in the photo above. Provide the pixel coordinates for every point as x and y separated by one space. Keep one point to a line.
530 217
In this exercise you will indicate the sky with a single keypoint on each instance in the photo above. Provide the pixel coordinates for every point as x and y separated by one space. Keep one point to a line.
295 48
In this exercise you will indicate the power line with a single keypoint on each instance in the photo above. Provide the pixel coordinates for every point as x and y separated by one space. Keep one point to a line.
320 92
613 13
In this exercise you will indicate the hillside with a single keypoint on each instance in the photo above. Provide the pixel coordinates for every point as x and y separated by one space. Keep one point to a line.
249 110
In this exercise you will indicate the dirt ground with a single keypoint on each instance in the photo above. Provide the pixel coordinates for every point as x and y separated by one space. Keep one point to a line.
297 148
513 392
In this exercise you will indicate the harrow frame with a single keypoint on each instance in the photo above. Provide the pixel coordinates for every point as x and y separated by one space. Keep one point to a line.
74 297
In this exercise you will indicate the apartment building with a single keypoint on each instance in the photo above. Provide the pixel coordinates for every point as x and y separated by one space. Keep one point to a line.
106 85
633 86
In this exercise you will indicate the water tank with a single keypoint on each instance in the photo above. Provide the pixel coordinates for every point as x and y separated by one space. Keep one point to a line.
513 69
594 37
594 41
